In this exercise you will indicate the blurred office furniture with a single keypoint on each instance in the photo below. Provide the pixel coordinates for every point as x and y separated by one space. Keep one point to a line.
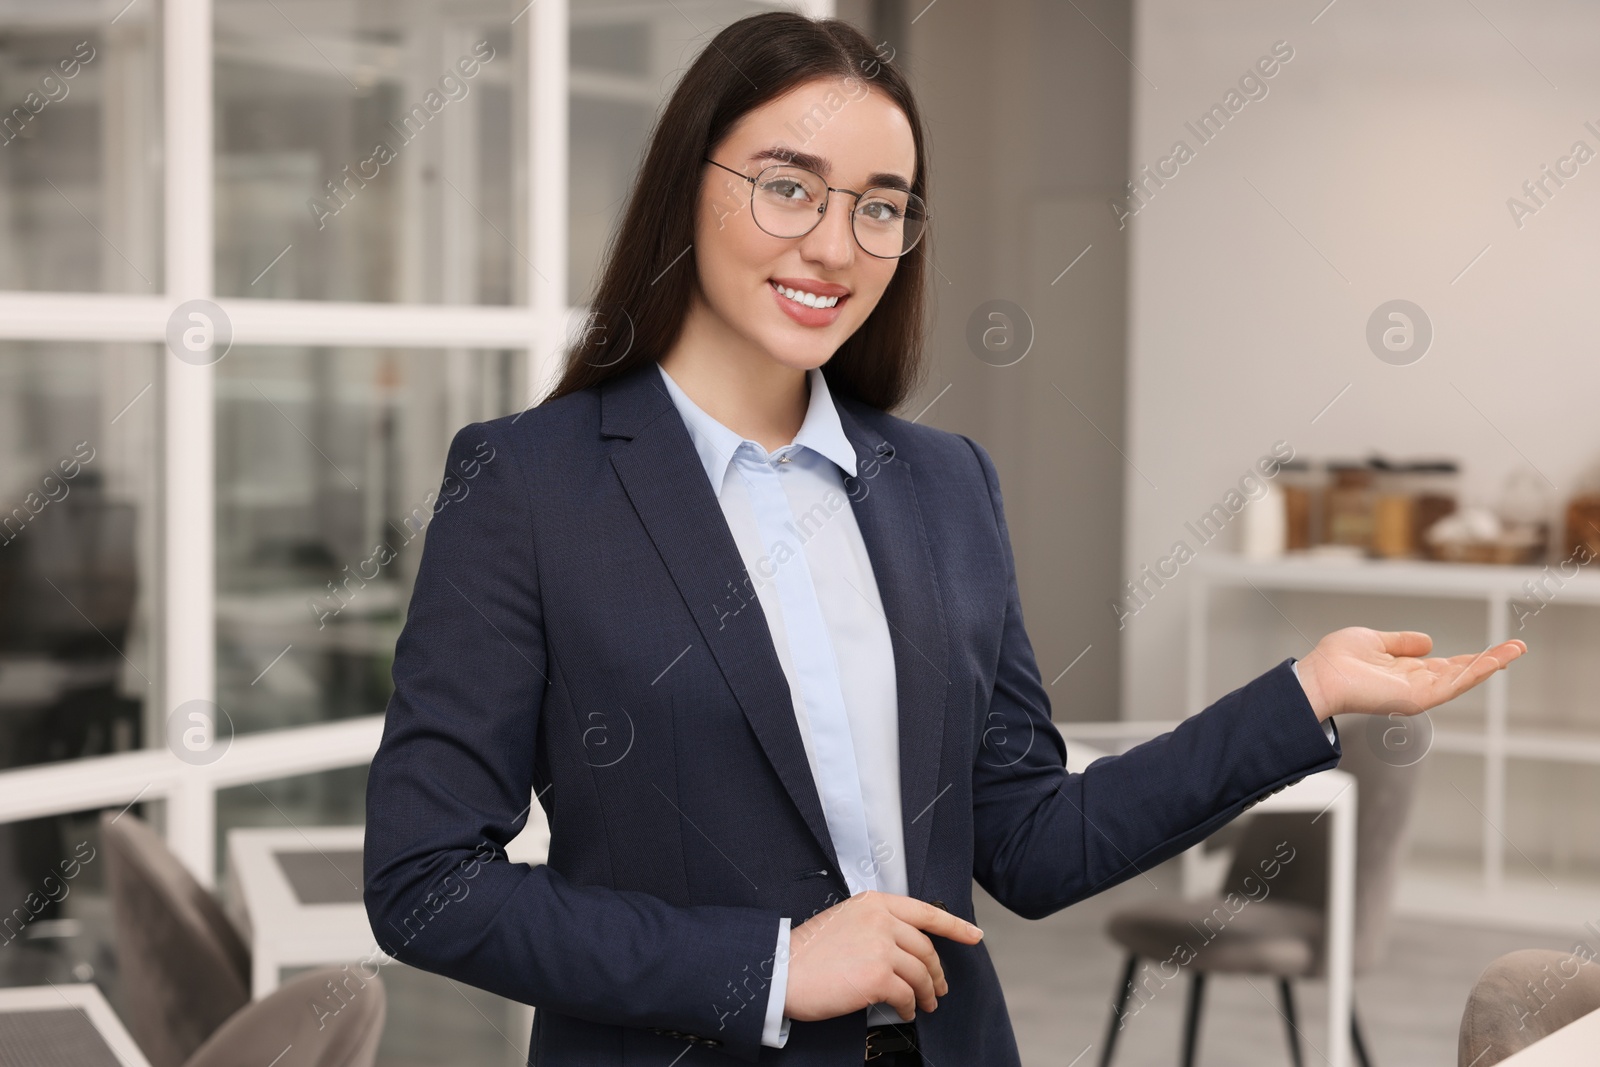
50 1025
1525 997
184 969
342 1027
297 895
1286 928
1504 736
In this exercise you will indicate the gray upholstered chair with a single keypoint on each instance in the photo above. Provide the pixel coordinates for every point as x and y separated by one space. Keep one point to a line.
330 1017
1522 997
1279 931
183 967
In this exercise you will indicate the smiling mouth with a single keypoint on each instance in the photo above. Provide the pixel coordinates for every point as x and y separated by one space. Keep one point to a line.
805 299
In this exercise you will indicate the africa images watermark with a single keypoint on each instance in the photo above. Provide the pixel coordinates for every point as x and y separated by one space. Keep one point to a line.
1252 86
1542 991
1539 192
338 995
1137 594
341 596
740 595
454 85
52 89
53 488
1544 588
53 888
815 118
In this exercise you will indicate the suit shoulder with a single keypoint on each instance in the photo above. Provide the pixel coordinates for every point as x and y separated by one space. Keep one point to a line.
557 423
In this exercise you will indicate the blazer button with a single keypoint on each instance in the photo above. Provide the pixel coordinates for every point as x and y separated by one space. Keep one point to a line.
938 904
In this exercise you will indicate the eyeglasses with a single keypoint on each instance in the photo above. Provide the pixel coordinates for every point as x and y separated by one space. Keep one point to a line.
788 202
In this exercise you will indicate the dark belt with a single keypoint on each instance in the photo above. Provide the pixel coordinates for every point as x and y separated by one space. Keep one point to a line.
893 1045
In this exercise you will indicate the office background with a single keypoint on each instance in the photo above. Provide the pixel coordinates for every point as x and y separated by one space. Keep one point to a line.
387 246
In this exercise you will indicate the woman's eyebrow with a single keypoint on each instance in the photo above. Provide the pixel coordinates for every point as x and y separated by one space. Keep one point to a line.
880 180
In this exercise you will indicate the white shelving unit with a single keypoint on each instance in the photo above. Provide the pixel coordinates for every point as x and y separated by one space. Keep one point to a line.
1493 588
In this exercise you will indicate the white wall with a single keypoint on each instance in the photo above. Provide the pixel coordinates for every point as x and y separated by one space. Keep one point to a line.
1377 166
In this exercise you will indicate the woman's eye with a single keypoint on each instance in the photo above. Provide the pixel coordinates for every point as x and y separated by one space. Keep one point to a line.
785 189
880 211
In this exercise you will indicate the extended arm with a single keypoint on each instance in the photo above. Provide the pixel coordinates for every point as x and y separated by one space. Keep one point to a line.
1047 838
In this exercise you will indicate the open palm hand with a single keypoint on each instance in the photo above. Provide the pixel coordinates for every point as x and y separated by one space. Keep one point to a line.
1366 671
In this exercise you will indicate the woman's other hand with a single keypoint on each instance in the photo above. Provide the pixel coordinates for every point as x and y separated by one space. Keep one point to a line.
867 949
1367 671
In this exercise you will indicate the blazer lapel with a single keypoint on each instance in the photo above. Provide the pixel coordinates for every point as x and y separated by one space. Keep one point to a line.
662 475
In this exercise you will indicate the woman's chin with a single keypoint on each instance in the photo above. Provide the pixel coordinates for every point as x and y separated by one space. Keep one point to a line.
801 357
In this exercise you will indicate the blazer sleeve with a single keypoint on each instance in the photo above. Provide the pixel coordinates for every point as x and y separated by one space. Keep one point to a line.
451 784
1046 838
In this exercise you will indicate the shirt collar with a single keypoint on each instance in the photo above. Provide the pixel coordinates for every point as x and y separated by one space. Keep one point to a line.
715 443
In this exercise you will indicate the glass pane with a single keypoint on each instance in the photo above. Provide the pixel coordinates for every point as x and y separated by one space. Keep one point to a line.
57 923
80 148
328 464
370 152
626 58
77 549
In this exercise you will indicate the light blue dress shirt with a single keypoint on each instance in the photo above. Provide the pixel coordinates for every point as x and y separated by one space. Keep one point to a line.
792 519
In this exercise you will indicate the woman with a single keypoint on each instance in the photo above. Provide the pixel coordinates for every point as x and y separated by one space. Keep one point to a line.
755 645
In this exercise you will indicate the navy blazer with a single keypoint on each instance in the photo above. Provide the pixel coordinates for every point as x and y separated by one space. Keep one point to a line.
581 630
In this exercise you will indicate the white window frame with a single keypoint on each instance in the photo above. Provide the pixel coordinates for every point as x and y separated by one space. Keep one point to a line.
187 595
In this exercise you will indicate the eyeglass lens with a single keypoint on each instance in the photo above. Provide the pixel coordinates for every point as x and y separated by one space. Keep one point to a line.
888 222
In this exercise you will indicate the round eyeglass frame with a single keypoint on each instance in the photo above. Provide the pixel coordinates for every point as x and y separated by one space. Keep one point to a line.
822 209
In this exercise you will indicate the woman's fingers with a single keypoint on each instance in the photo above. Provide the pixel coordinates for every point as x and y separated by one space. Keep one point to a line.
1406 642
920 945
913 971
1460 673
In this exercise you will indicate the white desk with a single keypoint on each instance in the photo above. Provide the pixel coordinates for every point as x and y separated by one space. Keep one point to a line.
1573 1045
1331 792
50 1020
325 922
284 930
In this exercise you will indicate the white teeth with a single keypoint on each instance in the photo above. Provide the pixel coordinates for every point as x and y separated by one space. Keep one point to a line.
808 299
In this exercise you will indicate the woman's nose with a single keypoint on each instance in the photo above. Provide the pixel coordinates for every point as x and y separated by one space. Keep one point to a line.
831 242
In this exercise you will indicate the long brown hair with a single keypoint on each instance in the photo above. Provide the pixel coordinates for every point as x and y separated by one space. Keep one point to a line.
640 303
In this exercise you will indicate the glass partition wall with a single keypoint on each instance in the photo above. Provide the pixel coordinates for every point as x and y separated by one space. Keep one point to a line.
259 259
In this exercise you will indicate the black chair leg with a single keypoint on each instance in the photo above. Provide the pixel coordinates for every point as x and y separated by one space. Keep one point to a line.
1355 1034
1117 1009
1191 1022
1291 1024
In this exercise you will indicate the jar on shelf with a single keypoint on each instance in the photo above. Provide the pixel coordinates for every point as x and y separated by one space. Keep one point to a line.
1582 541
1583 527
1524 509
1302 504
1437 485
1349 505
1394 526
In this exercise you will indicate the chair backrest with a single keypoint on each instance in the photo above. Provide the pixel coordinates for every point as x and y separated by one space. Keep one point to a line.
330 1017
183 968
1385 792
1522 997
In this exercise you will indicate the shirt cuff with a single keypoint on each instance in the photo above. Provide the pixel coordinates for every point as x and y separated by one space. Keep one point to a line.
776 1031
1327 724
